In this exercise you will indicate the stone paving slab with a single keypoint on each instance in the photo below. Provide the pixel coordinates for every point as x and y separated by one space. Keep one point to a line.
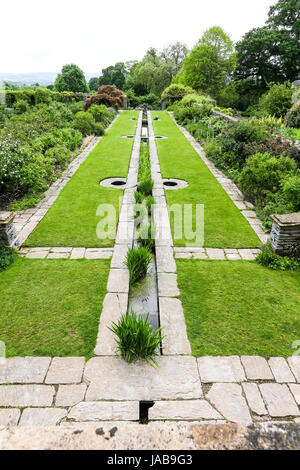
114 306
167 285
9 416
164 260
112 378
103 410
26 395
294 363
65 370
295 389
42 416
280 402
24 370
220 369
183 410
256 368
281 370
118 281
119 256
229 401
173 327
69 395
254 398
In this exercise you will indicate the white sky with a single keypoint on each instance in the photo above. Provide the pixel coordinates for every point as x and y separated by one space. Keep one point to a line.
41 36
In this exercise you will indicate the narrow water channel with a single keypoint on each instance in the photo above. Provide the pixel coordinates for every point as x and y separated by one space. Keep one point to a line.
143 297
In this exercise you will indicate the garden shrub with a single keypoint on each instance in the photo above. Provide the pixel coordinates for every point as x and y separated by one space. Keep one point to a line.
193 98
21 106
133 100
42 95
176 92
278 100
107 95
275 146
193 113
100 113
145 187
291 191
292 119
263 174
150 101
99 129
7 256
269 259
136 339
84 123
59 156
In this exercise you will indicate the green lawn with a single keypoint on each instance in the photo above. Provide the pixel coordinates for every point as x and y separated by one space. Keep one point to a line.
225 227
72 220
52 307
239 307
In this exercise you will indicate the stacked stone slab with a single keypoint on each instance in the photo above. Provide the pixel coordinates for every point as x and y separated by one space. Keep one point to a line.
285 232
8 234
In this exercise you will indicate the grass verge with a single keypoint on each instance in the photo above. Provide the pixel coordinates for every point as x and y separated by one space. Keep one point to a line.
52 307
72 220
225 226
239 307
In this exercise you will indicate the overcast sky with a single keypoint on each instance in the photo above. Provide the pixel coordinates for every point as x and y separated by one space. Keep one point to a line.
41 36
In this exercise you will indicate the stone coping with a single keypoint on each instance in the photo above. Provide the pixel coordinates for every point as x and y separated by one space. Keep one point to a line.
66 252
183 436
6 218
284 220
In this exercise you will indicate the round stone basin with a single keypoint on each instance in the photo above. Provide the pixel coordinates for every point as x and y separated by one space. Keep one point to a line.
117 183
128 136
160 137
172 183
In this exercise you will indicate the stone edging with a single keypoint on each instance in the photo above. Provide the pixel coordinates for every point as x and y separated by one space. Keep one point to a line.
66 252
229 254
231 189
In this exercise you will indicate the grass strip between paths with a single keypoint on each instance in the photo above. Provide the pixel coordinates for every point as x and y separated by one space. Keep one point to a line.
224 225
72 220
239 307
52 307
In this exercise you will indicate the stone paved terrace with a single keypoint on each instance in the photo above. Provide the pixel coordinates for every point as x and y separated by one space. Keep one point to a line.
44 391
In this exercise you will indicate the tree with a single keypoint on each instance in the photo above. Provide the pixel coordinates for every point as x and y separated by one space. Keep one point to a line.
174 55
114 75
72 79
94 83
271 53
210 64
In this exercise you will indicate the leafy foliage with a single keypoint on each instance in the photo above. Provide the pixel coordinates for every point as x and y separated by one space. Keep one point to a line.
136 339
269 259
7 256
278 100
106 95
137 262
72 79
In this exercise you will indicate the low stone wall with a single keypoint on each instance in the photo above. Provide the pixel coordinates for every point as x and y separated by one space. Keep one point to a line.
285 233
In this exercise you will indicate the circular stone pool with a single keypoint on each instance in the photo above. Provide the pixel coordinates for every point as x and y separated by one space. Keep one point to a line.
172 183
117 183
160 137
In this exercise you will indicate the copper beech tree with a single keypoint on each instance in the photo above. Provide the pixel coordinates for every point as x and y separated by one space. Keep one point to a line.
108 95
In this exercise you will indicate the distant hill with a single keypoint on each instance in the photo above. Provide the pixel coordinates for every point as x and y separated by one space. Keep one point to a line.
43 78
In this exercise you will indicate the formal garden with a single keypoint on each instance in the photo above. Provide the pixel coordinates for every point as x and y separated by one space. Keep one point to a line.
150 237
